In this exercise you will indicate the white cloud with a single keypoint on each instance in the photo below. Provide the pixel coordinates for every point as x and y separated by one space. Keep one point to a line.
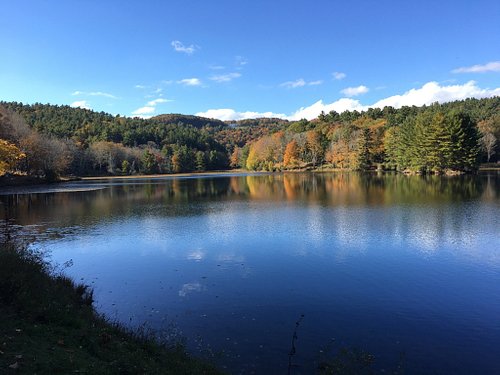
140 87
241 61
226 114
153 103
427 94
354 91
216 67
338 75
94 93
190 82
493 66
81 104
179 47
315 83
149 109
143 111
225 77
105 94
433 92
311 112
294 84
300 83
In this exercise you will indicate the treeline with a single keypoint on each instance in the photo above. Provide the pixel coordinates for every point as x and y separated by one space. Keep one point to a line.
49 141
26 150
95 143
441 138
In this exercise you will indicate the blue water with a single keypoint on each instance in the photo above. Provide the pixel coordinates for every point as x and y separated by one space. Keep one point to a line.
405 268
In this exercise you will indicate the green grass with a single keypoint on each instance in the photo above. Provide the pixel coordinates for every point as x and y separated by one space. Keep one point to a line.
49 326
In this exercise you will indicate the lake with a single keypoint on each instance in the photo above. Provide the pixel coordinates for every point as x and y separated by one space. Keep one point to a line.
406 268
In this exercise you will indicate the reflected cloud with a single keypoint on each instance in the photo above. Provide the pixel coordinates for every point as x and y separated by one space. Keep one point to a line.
190 288
230 257
196 255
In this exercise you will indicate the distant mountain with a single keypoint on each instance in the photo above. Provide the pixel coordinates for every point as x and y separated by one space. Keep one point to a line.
196 121
263 121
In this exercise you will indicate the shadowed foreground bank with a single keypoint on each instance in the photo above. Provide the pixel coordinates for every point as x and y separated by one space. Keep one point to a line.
48 326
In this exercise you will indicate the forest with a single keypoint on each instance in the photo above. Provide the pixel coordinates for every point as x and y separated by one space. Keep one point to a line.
50 141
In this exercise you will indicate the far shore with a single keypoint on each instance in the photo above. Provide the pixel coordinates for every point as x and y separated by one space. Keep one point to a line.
160 175
23 180
484 167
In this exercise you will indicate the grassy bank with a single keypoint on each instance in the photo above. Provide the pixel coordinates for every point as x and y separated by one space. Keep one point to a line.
48 326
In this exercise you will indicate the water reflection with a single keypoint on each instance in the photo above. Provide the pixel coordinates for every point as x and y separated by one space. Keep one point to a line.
382 262
118 198
434 216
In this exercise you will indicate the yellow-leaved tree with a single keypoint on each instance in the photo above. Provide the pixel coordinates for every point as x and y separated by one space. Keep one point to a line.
10 155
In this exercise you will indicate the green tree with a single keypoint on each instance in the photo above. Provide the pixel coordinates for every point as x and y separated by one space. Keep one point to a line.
391 146
125 166
149 164
201 164
362 158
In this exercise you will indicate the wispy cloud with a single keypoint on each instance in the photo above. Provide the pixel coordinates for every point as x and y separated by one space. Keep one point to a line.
315 83
180 47
141 87
300 83
293 84
81 104
190 82
355 91
216 67
153 103
429 93
338 75
240 61
93 93
493 66
225 77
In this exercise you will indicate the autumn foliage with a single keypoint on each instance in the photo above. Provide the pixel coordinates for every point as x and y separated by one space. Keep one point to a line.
10 156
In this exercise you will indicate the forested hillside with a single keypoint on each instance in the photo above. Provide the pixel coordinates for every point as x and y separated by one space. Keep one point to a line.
96 143
452 137
49 141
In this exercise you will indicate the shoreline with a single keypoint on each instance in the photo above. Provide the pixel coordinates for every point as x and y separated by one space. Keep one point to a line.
13 181
162 175
48 324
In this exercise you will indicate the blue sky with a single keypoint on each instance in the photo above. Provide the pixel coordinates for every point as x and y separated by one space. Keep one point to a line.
237 59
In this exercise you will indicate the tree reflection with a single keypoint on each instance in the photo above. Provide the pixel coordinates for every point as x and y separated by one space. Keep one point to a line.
190 196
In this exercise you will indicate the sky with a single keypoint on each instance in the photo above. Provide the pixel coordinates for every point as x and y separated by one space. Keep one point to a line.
245 59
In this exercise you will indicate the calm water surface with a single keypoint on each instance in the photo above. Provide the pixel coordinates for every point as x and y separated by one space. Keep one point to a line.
388 264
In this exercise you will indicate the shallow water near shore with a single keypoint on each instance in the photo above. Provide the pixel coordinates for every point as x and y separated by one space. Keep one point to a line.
389 264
